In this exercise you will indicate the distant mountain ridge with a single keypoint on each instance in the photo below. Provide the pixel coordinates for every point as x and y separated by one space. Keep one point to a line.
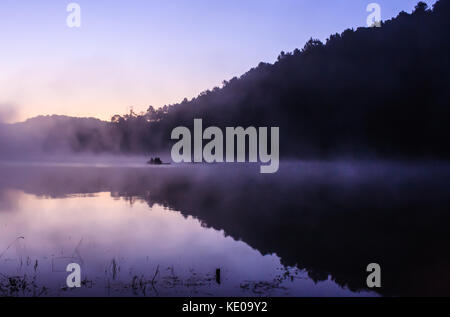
55 134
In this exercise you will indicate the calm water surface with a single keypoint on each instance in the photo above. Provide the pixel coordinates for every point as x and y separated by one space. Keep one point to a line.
310 230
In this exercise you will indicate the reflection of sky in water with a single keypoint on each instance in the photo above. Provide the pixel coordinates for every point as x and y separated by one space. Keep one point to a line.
117 241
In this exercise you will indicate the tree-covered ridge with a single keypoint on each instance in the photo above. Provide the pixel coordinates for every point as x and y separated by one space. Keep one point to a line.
374 90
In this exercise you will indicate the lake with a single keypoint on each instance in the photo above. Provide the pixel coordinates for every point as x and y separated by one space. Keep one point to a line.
224 230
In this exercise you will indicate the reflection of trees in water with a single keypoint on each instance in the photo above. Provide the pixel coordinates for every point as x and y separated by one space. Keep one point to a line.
331 220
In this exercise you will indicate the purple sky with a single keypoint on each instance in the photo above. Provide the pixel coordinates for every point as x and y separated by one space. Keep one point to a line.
140 53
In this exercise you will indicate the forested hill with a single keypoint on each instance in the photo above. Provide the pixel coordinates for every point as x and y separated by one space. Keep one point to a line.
371 91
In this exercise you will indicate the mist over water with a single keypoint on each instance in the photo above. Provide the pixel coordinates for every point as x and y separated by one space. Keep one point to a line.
311 229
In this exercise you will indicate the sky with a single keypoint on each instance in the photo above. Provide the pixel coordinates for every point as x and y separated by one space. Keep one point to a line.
136 53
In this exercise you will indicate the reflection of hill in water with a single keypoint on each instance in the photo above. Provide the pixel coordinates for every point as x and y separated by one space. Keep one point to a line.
330 219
